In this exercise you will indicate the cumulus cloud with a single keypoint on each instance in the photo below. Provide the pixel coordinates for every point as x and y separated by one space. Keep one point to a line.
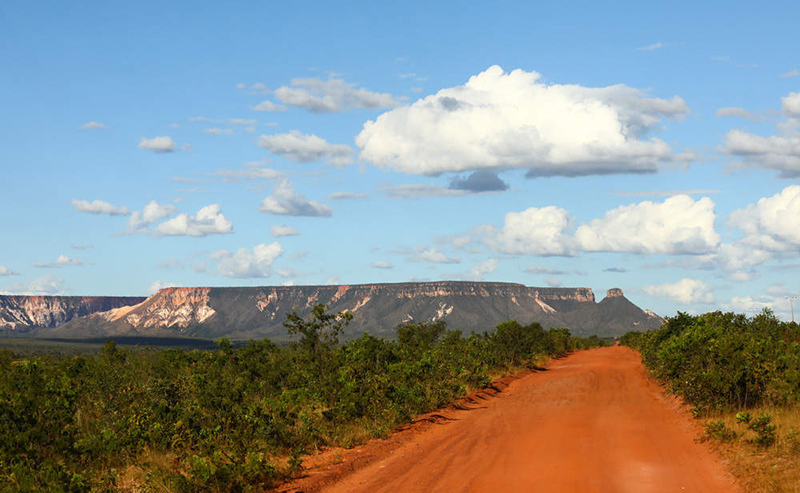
209 220
330 96
242 121
161 144
61 261
268 105
157 286
432 255
686 291
302 148
738 112
500 120
280 231
249 263
99 207
152 213
42 286
779 152
479 181
382 264
93 126
482 269
285 202
772 224
5 271
678 226
534 231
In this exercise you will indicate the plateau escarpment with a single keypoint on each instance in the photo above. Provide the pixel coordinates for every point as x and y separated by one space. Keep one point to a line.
20 314
254 312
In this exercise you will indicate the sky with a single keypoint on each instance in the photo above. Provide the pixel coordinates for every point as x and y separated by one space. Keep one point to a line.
653 148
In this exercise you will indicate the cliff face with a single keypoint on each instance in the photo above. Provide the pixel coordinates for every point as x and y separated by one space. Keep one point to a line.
20 314
255 312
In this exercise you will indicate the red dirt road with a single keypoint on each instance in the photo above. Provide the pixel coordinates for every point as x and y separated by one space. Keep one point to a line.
592 423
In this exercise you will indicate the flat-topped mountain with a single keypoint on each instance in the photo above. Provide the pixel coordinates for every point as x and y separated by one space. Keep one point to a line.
19 314
256 312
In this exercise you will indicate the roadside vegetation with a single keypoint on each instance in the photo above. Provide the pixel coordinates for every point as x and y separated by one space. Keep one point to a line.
742 375
238 419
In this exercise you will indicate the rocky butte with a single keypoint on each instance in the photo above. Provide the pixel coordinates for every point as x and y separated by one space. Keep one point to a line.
19 314
257 312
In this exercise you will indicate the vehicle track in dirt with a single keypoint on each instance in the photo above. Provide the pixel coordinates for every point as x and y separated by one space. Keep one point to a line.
593 422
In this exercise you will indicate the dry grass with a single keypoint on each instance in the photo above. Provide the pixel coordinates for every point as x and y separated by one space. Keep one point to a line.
774 469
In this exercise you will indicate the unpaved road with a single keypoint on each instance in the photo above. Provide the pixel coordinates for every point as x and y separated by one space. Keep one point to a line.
592 423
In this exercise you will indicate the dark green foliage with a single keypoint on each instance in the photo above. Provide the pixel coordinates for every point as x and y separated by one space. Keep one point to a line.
724 360
716 430
765 430
223 419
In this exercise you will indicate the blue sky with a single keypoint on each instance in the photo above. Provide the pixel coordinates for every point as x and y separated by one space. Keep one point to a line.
651 148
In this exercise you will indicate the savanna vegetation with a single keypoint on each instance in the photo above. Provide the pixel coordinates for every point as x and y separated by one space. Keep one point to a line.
742 375
237 419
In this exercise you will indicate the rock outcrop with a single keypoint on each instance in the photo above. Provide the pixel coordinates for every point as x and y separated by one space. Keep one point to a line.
254 312
20 314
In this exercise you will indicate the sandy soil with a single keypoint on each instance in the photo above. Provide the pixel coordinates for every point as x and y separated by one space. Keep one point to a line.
593 422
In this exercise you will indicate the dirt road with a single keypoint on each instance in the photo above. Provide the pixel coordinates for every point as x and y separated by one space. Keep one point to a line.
592 423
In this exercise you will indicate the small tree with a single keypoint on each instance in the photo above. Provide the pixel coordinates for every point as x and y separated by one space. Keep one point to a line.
320 332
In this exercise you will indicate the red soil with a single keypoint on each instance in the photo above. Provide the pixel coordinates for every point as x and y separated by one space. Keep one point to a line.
593 422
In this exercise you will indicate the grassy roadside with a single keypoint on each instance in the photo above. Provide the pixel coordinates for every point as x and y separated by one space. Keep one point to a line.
759 468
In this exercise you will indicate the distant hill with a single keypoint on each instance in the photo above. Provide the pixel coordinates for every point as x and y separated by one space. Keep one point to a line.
257 312
20 314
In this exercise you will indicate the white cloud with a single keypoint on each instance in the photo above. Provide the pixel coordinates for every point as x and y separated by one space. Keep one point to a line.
5 271
280 231
678 226
152 213
171 263
242 121
791 104
739 112
93 126
208 221
268 105
534 231
200 119
779 152
42 286
347 196
772 224
791 73
284 201
500 120
218 131
333 95
303 148
99 207
249 263
382 264
481 269
158 144
61 261
686 291
157 286
432 255
553 282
